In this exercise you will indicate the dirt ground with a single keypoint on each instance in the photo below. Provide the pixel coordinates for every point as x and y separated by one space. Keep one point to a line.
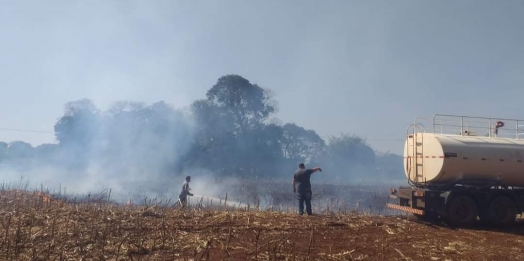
36 228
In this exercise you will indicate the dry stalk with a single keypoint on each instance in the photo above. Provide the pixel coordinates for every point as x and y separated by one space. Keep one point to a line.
225 202
228 242
163 231
18 237
53 226
120 246
403 257
293 251
310 243
268 245
382 249
206 250
7 230
35 255
257 237
8 246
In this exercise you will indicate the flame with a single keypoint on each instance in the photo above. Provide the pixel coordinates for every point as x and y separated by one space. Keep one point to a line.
47 198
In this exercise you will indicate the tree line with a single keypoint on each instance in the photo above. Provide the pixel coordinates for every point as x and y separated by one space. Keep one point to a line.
230 133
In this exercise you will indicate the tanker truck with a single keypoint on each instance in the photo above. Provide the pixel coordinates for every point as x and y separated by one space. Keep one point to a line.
463 170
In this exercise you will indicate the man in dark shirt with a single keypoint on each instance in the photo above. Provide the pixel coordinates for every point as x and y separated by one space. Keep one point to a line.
301 179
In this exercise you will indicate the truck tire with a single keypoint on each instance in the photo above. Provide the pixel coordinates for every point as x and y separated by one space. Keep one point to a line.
462 211
502 211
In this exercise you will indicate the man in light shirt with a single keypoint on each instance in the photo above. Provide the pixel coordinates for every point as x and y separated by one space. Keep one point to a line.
182 197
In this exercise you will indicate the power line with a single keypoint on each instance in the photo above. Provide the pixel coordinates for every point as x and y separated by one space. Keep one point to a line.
20 130
51 132
387 139
371 139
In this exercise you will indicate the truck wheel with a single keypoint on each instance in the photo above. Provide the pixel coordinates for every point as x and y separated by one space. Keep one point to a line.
502 212
462 211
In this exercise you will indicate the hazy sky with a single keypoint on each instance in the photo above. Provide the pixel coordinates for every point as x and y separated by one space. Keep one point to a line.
363 67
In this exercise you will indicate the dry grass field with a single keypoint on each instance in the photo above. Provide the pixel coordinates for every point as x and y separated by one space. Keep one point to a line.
36 227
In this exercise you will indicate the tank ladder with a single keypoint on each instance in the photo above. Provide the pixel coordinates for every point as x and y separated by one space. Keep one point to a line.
415 160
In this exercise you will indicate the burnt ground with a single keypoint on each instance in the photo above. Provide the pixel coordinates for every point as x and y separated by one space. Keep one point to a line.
35 228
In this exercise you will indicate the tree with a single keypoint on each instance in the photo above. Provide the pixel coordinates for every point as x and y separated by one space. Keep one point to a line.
390 165
352 149
125 106
76 131
299 144
350 157
249 104
3 150
231 135
20 155
260 152
214 138
47 153
20 150
79 125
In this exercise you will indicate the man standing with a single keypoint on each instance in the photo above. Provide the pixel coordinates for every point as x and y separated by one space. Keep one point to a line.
301 178
182 197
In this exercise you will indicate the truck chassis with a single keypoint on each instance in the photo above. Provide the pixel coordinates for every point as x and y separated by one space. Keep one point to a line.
461 205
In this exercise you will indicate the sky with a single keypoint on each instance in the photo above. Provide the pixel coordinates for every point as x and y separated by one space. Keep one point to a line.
359 67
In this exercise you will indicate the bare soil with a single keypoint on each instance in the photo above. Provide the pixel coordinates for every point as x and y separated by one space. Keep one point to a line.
36 228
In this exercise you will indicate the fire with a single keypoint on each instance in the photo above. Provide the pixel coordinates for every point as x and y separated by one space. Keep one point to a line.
47 198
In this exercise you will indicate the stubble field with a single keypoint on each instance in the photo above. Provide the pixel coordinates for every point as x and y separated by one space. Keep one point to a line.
37 227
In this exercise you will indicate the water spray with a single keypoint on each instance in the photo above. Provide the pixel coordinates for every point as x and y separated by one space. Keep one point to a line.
219 200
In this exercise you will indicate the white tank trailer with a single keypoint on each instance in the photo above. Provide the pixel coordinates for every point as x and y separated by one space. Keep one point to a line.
462 168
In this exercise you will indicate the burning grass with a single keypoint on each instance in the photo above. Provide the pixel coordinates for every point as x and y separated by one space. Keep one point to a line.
35 226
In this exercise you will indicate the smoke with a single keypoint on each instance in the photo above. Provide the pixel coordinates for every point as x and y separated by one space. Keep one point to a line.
134 151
